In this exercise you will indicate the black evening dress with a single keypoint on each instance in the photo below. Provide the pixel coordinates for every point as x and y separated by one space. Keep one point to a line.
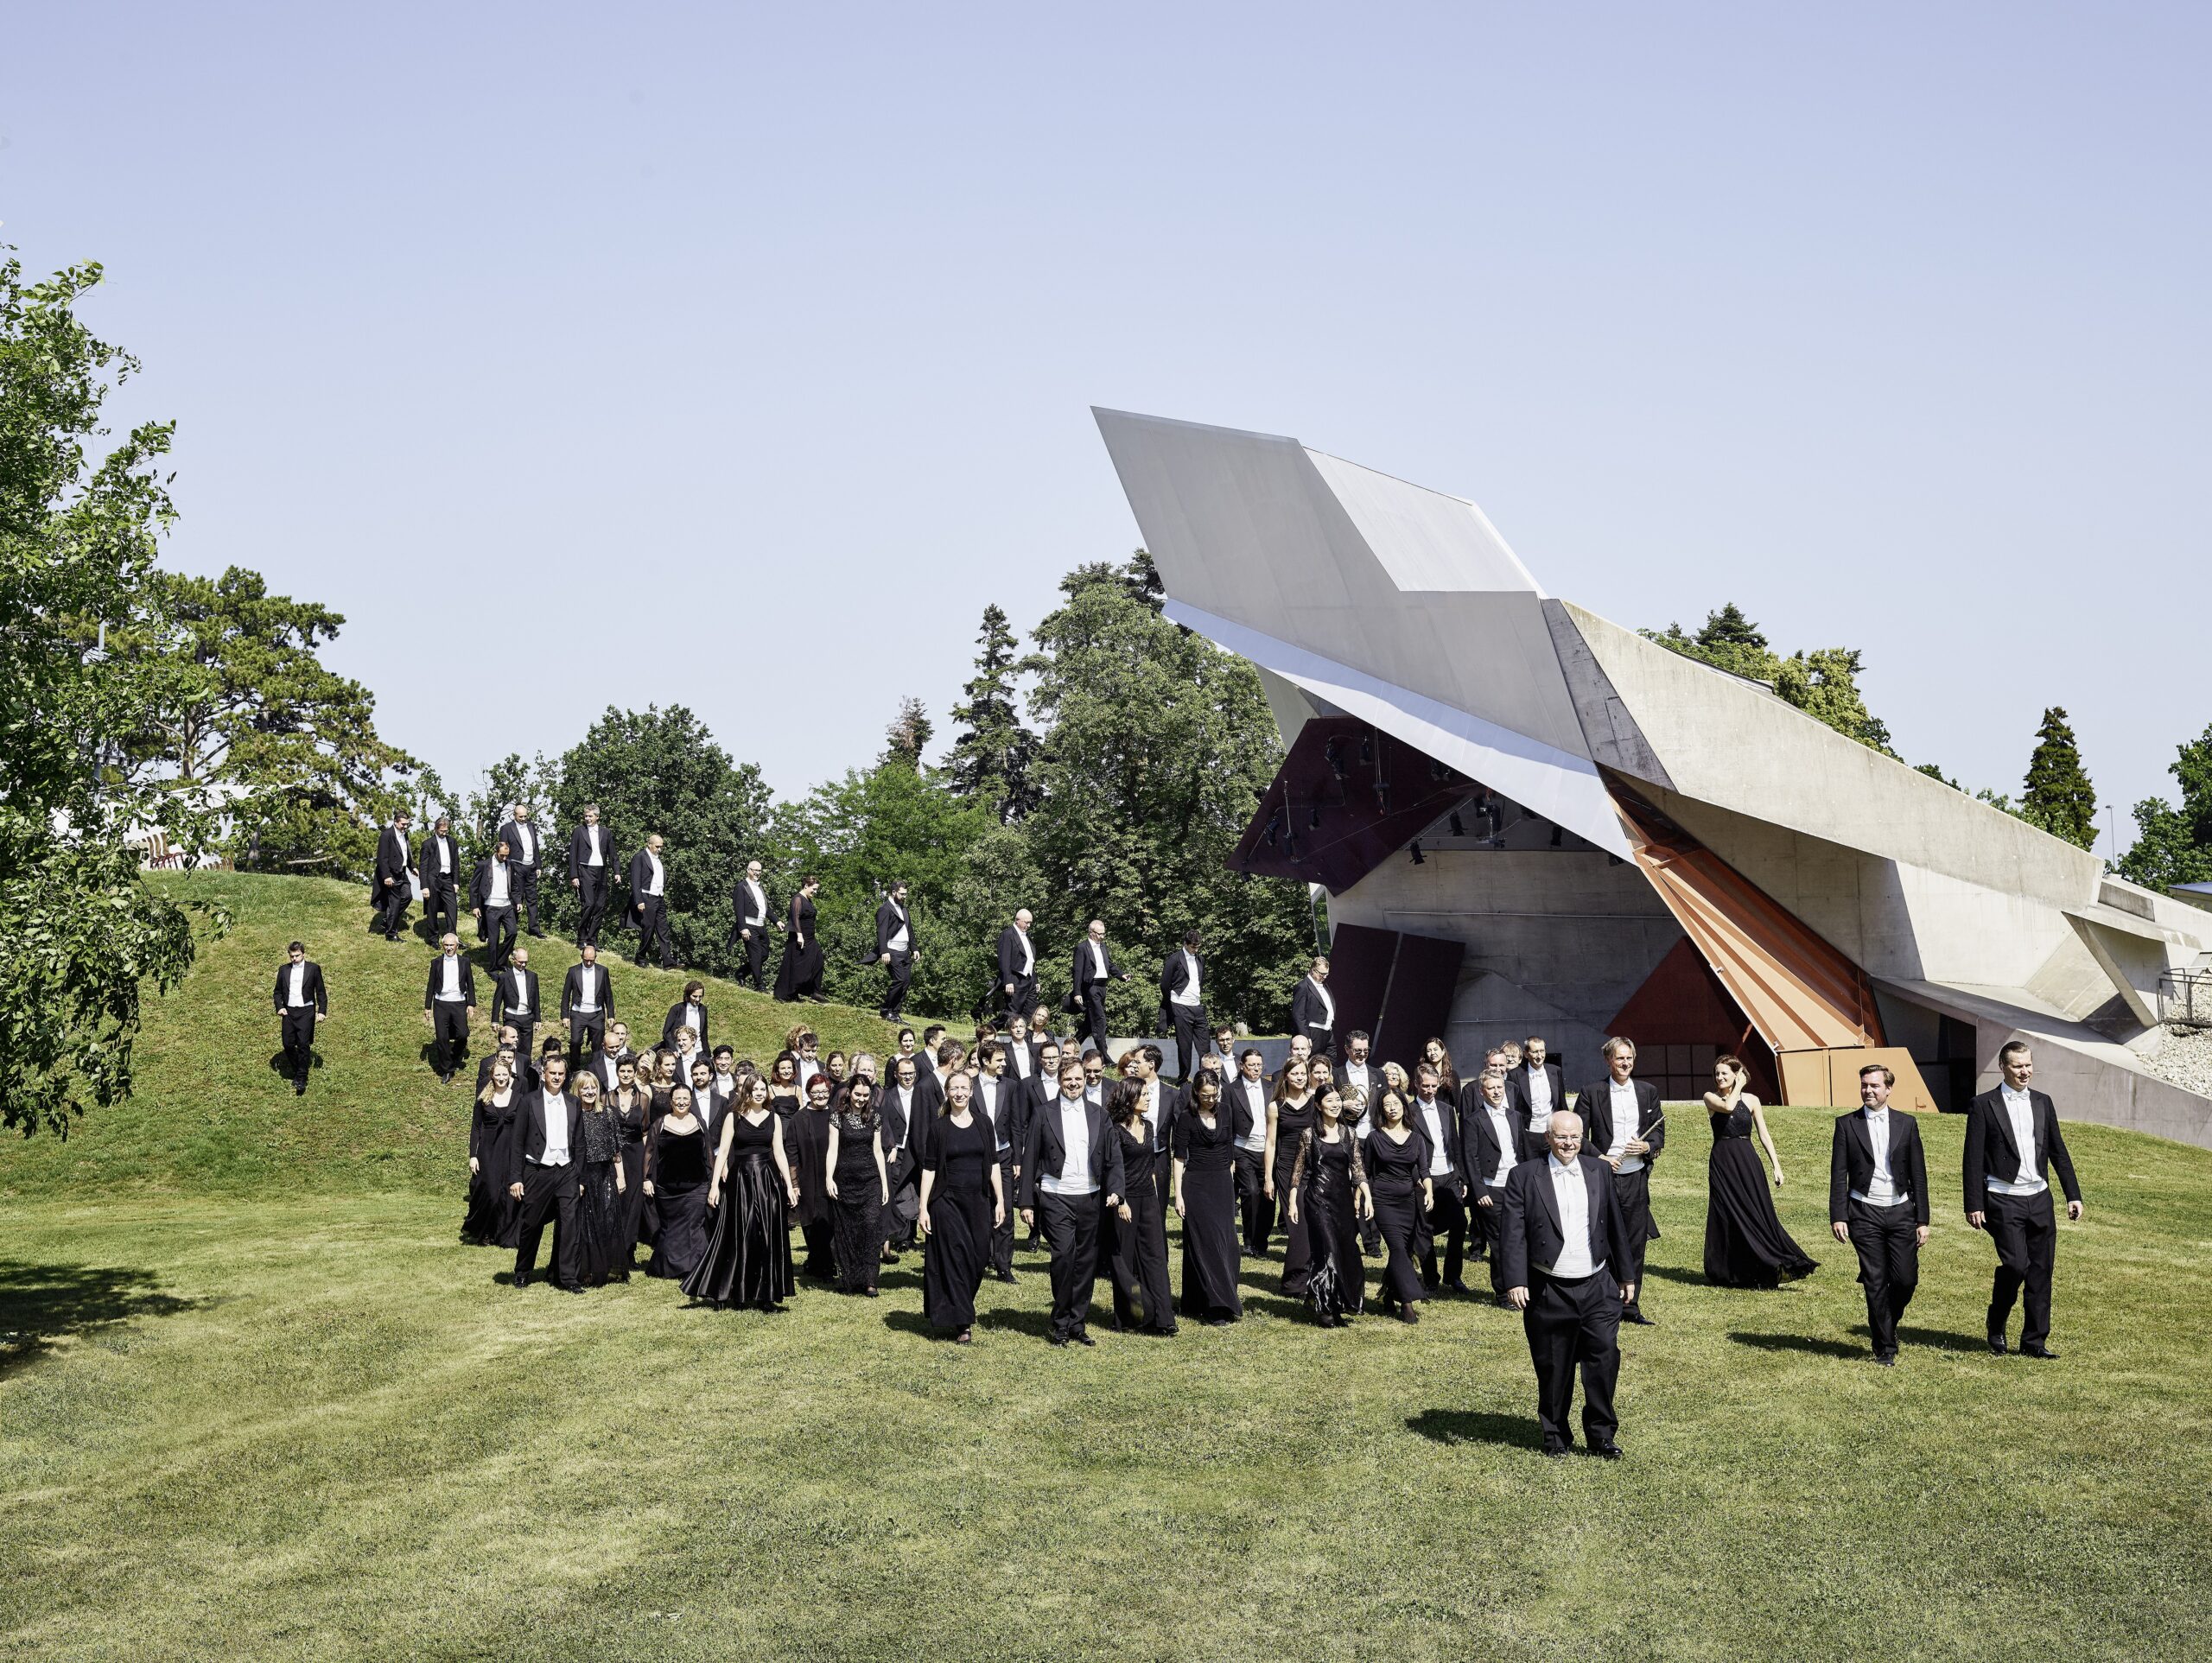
799 975
1209 1244
491 1219
677 1163
1291 1125
959 1244
632 1122
1745 1246
601 1215
748 1256
1328 1176
806 1145
1394 1176
1133 1250
855 1218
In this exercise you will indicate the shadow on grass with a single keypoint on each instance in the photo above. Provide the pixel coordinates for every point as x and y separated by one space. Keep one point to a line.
1805 1343
912 1322
1275 1305
1036 1323
1935 1339
1476 1426
41 1303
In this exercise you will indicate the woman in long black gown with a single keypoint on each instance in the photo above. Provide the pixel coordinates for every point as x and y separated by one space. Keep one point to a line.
490 1219
1396 1156
961 1205
1132 1238
858 1187
1745 1246
749 1257
1289 1117
1203 1180
677 1166
782 1085
1328 1192
806 1140
600 1213
632 1106
799 975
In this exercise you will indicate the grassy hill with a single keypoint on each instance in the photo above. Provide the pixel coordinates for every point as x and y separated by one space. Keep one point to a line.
256 1402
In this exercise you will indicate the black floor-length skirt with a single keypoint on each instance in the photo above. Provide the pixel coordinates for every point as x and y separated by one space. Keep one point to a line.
631 1205
602 1228
1336 1285
1399 1217
1210 1245
799 975
493 1215
1297 1243
677 1220
1745 1246
857 1226
956 1254
747 1260
1132 1252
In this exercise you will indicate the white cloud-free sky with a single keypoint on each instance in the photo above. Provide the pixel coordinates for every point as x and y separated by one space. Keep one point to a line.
737 356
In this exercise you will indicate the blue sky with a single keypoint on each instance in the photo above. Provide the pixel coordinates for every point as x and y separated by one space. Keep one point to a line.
587 355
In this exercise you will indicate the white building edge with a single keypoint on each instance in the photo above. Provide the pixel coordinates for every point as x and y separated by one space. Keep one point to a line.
1624 801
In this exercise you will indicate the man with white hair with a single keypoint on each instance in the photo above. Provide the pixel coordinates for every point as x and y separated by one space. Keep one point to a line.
1017 965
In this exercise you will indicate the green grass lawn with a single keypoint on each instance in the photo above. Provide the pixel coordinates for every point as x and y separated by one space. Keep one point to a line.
256 1402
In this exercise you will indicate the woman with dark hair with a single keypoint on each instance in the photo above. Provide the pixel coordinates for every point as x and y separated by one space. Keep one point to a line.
1290 1116
677 1163
782 1084
1202 1183
1329 1193
1437 1056
664 1080
961 1203
806 1140
836 1067
601 1213
858 1189
1133 1239
490 1219
799 975
748 1256
632 1106
1745 1246
1396 1157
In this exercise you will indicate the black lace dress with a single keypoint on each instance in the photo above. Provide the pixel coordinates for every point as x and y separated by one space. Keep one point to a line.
1210 1245
1291 1123
602 1213
491 1217
1745 1246
959 1244
676 1167
748 1256
632 1122
1328 1176
855 1216
1134 1250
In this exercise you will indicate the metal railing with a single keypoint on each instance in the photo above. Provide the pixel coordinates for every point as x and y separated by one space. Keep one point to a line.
2185 998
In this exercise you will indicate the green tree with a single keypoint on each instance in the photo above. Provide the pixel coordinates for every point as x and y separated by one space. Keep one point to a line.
83 931
1822 682
908 737
662 771
2174 845
2057 796
1157 746
992 754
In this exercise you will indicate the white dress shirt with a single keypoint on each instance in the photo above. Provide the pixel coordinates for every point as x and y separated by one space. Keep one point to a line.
904 1096
1074 1177
1501 1128
1098 958
496 893
1019 1061
1255 1096
693 1019
1540 1098
1188 993
445 855
757 911
653 884
1625 1118
897 941
1572 1194
588 989
518 1001
450 988
1151 1109
1355 1080
525 841
991 1091
1881 1190
299 995
1432 1121
1028 953
2020 1109
591 856
556 1132
1328 1004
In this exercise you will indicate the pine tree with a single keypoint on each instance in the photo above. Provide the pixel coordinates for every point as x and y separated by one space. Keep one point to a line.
2058 795
909 734
1729 628
992 757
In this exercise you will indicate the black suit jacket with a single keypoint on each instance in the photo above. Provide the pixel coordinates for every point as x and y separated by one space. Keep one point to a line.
503 994
1045 1151
1992 1152
1080 965
580 852
529 1140
674 1020
1010 956
428 869
479 883
740 903
436 976
1595 1106
1524 1101
640 874
891 1125
572 989
1309 1016
1478 1138
311 987
1530 1234
391 855
1447 1114
1174 976
1851 1162
886 926
511 832
1011 1122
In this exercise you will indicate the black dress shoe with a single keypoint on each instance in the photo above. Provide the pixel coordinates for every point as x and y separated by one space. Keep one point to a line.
2039 1350
299 1087
1887 1360
1632 1315
1004 1276
1083 1339
1997 1345
1606 1452
1556 1452
1457 1286
1059 1339
522 1279
871 1292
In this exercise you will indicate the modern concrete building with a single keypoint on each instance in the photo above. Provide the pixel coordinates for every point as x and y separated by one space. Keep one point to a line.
1532 821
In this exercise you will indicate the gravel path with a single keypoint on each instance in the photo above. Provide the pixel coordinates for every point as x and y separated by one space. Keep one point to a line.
2185 1060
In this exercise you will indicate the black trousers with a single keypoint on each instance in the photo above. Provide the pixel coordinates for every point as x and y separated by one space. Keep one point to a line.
1023 999
1190 1039
581 1024
756 946
1447 1217
1002 1233
1574 1325
1635 1191
1253 1202
1487 1222
299 1040
653 930
2025 1231
904 1175
391 905
1094 1015
499 935
1071 1231
591 898
902 977
1886 1242
441 908
549 1192
449 1034
527 893
525 1037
